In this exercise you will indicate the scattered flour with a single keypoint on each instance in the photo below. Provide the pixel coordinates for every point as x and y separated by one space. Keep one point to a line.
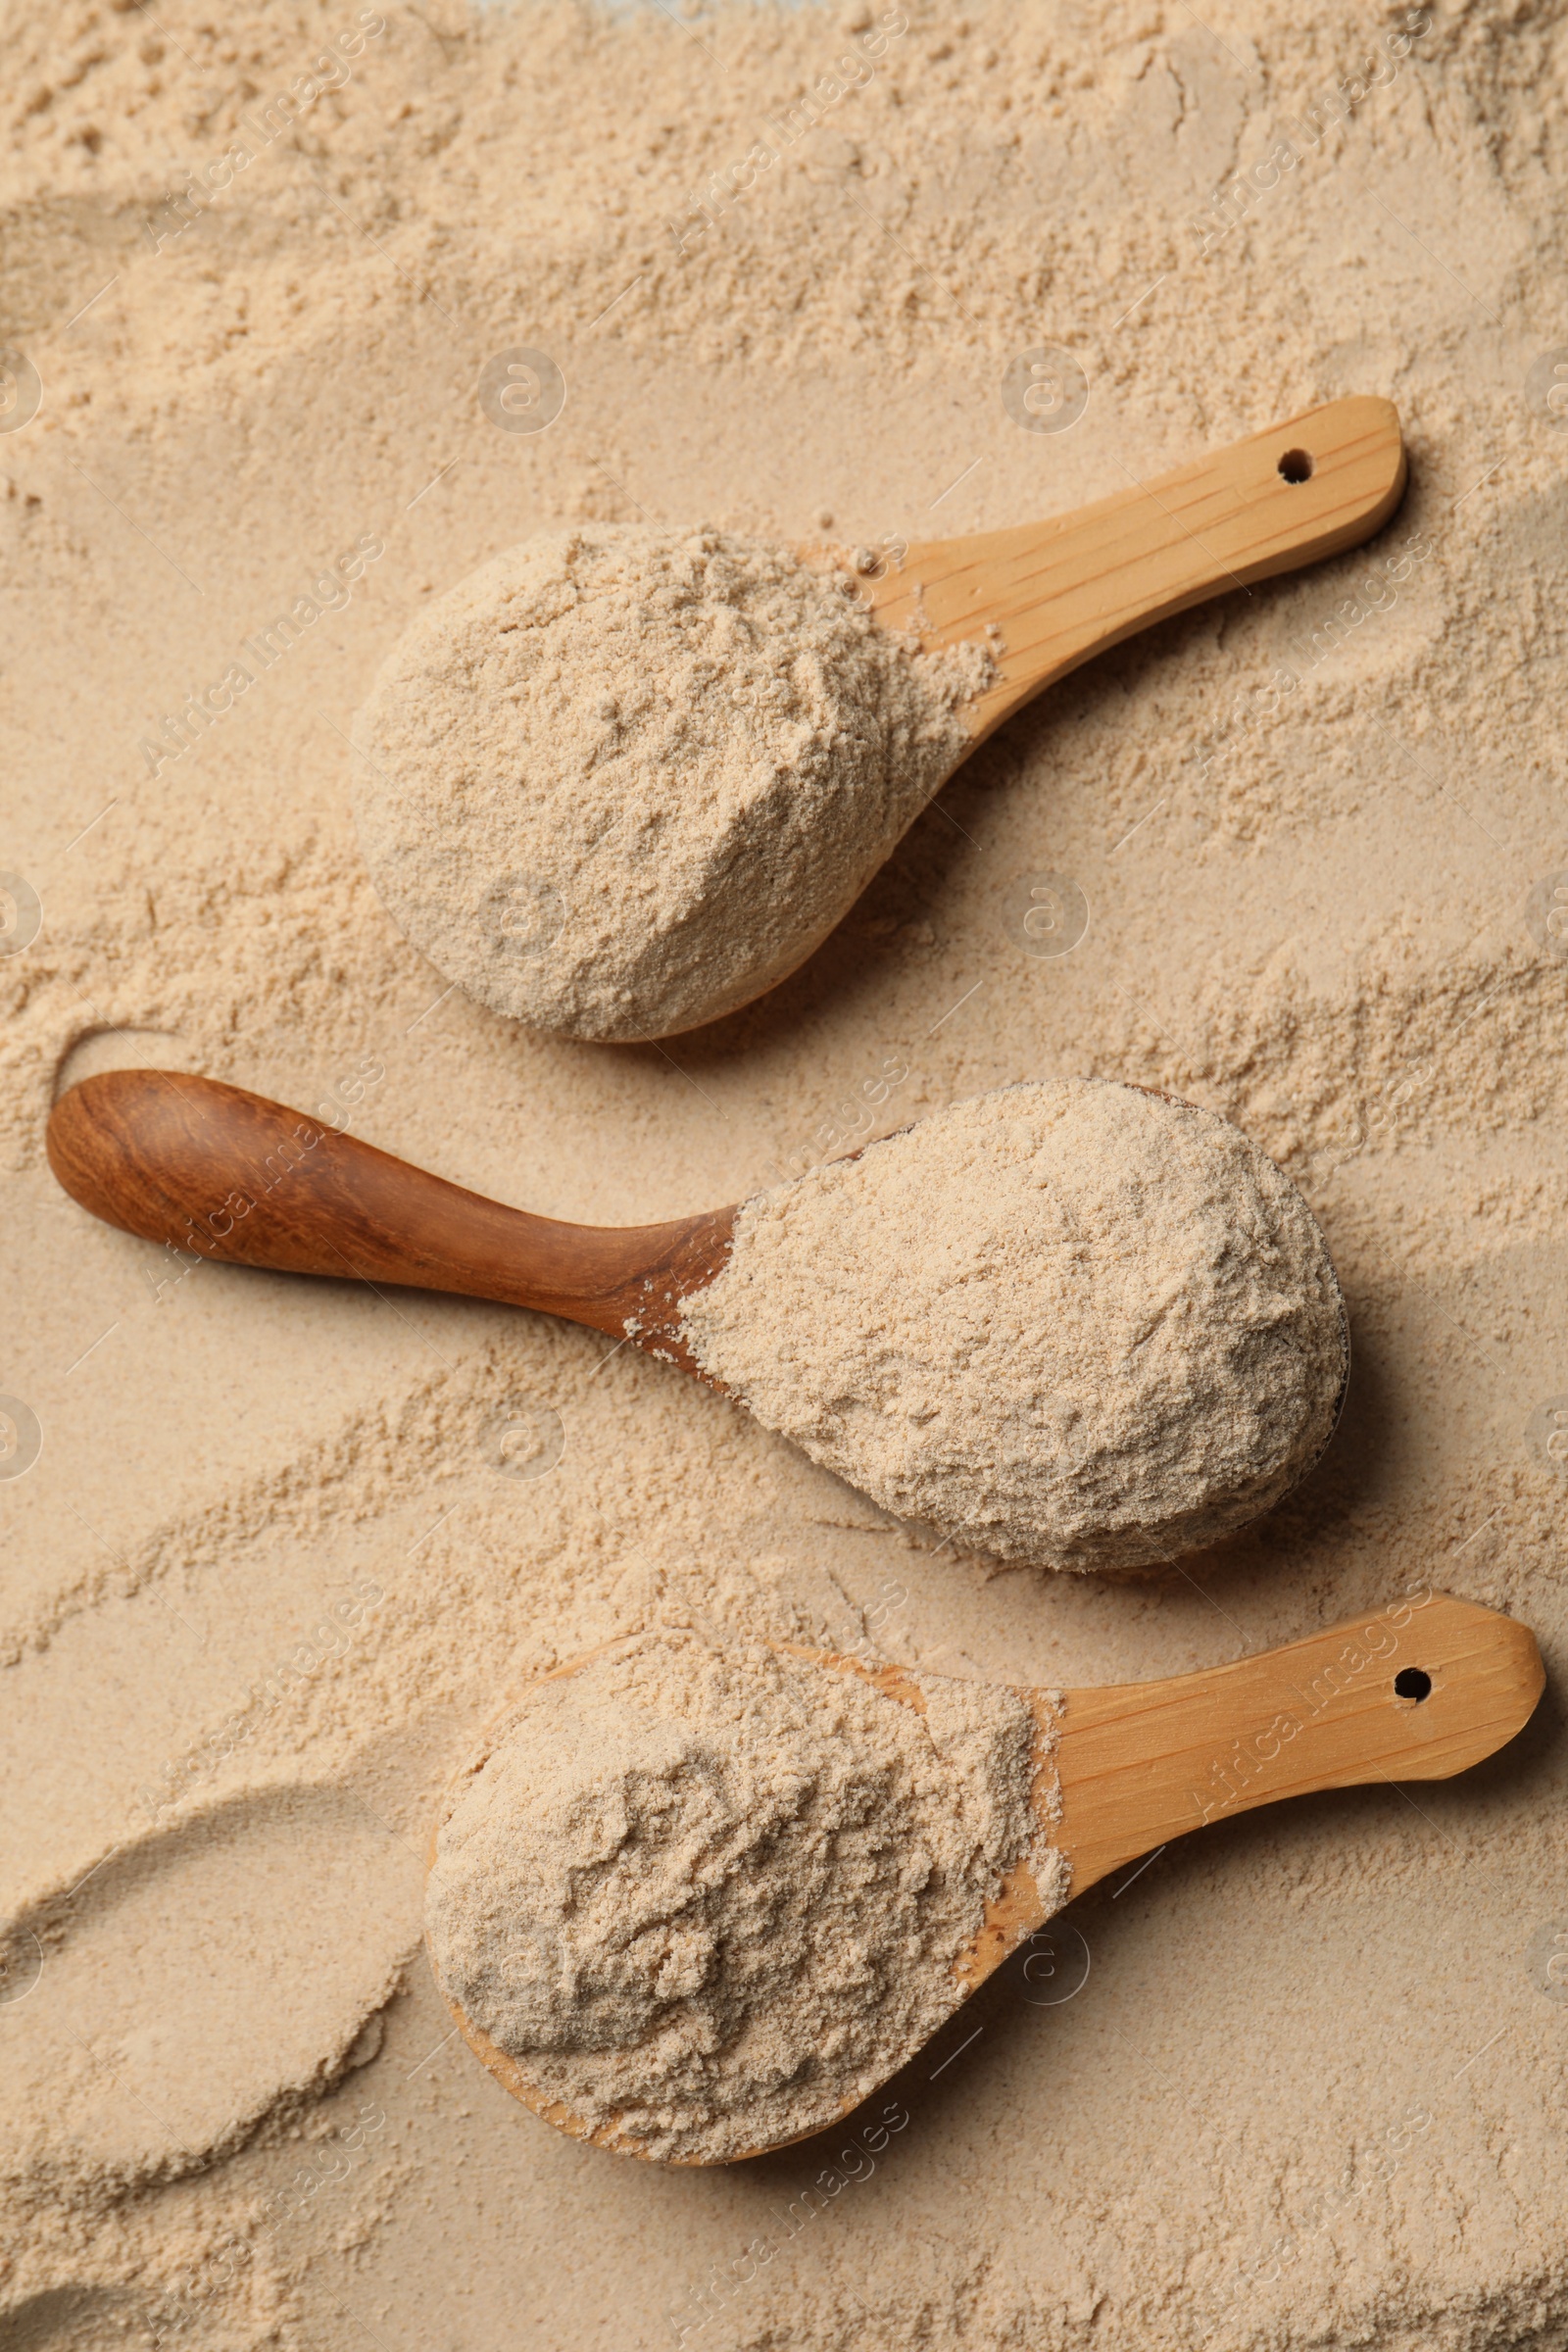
1335 926
712 1898
1068 1321
620 781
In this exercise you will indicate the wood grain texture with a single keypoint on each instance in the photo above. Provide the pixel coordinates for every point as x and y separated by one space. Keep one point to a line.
209 1167
1148 1761
1063 590
1137 1764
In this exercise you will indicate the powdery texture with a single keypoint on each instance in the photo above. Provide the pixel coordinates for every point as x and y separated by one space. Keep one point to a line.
711 1898
1312 823
620 781
1068 1321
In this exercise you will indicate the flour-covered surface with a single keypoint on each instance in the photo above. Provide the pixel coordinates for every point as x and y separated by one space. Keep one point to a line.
272 1570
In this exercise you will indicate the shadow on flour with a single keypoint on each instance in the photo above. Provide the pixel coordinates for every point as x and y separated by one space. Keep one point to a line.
112 1047
75 2319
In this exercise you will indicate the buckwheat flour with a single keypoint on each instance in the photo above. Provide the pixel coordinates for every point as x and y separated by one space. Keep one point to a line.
713 1897
1069 1322
620 780
1300 2080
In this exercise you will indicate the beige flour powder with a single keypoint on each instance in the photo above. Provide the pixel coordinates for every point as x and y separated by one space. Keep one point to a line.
1069 1323
711 1898
618 780
1300 2080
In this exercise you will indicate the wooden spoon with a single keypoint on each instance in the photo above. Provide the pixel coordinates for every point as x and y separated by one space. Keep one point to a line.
202 1165
1416 1691
1040 598
205 1166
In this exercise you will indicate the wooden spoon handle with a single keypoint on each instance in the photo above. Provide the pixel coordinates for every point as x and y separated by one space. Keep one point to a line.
209 1167
1063 590
1412 1692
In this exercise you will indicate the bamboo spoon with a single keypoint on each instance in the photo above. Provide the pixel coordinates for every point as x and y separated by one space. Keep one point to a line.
1063 590
1416 1691
1040 598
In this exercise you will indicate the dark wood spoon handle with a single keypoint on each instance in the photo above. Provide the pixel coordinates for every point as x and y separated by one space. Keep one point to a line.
209 1167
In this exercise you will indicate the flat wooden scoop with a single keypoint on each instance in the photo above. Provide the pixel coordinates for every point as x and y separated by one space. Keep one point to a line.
1416 1691
1054 593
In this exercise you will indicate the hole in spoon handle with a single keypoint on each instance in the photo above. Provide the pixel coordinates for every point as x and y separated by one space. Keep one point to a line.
1418 1689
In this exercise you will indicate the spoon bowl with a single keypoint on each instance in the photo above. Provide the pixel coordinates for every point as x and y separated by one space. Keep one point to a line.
1420 1689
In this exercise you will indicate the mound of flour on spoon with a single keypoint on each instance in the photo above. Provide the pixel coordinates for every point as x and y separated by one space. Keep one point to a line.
613 783
709 1898
1069 1322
